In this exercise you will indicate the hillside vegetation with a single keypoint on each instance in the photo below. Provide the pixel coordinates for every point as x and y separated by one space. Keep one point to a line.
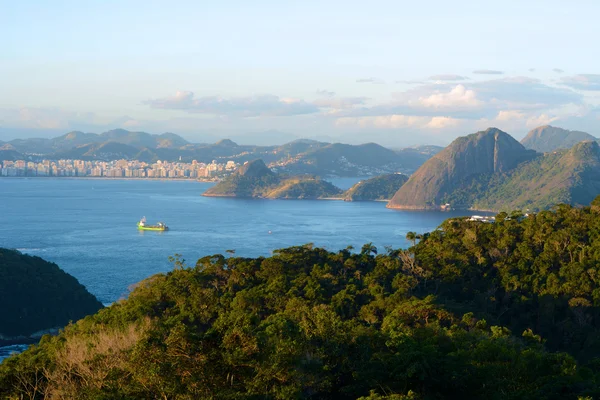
509 310
381 187
36 295
303 188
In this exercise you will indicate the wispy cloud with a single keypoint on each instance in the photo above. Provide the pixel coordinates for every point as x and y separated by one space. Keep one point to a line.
370 80
253 106
447 77
488 72
582 81
325 93
558 70
412 82
340 103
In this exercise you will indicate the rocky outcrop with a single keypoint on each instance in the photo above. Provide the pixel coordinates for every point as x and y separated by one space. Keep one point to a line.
482 153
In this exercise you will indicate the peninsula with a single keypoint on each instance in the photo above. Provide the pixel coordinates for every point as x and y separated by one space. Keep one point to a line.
255 180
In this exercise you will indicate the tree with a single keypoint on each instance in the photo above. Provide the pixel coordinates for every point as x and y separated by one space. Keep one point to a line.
412 237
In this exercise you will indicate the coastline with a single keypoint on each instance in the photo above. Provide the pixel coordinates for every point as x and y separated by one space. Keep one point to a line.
289 198
438 208
109 178
24 340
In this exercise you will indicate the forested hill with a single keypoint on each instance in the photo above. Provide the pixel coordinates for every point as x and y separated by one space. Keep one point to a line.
36 295
509 310
381 187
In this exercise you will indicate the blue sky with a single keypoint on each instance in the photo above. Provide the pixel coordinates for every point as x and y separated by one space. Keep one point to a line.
396 72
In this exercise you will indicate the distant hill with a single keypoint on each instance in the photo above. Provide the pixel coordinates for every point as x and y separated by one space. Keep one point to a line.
549 138
381 187
255 179
37 295
106 151
299 146
76 139
491 171
351 160
143 139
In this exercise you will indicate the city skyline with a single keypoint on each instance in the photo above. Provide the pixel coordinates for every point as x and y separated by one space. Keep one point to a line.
115 169
394 73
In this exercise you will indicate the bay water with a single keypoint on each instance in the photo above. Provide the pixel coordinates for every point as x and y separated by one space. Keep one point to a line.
88 226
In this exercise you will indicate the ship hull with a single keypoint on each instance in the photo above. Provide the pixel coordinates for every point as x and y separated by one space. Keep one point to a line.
153 228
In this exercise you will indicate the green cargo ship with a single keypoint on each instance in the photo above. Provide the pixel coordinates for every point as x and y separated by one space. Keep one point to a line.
158 227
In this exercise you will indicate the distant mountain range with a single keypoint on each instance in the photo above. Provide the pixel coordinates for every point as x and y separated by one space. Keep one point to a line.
75 139
549 138
491 170
352 160
301 156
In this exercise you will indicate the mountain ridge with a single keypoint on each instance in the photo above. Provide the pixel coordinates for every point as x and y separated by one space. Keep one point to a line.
550 138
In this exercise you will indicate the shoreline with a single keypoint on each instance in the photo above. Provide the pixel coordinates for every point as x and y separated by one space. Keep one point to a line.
415 208
108 178
295 198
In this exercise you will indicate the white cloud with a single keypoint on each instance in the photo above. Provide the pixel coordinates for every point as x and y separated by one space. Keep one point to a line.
458 97
442 123
510 115
539 120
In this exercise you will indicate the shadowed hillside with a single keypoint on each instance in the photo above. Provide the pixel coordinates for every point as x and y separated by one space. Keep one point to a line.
37 295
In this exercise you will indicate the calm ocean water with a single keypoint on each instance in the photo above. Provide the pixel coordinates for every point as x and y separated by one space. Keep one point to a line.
88 226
